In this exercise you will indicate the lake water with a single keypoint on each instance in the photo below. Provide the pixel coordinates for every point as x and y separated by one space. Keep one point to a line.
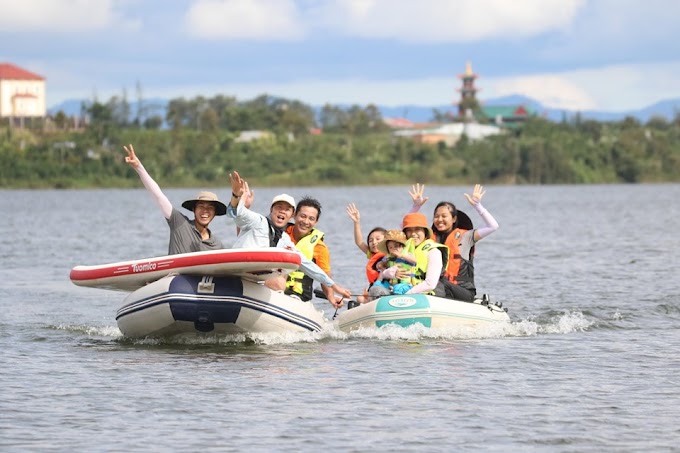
591 362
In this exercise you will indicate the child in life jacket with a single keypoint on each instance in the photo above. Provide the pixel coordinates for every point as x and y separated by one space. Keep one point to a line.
397 253
369 247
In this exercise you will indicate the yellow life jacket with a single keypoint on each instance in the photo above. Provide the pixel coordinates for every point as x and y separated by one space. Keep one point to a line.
297 282
402 264
422 260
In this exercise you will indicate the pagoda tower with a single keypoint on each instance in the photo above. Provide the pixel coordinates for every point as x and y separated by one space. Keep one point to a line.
468 104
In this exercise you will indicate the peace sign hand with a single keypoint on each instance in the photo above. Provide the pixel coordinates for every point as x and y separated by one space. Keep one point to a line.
131 158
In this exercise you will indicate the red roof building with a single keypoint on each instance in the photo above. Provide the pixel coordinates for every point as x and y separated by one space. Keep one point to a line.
22 93
9 71
399 123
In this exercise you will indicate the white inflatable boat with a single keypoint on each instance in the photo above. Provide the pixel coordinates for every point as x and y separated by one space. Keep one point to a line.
430 311
216 292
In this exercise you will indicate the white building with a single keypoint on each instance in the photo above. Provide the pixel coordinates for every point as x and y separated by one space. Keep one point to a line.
249 136
22 93
450 133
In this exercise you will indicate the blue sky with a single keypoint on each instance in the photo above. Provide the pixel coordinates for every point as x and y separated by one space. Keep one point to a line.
609 55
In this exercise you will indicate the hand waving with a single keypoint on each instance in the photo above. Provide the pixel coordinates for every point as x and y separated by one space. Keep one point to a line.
248 195
417 193
238 185
477 195
353 213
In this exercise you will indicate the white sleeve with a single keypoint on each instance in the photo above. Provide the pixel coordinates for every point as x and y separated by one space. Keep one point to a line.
434 272
155 190
243 217
490 224
307 266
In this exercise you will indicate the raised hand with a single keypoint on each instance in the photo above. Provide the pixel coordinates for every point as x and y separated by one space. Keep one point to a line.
477 195
248 196
131 157
353 213
417 193
238 185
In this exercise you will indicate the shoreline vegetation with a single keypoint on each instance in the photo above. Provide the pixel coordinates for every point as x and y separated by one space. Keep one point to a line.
197 144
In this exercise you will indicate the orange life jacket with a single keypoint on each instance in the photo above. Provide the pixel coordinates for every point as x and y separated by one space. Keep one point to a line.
371 272
459 271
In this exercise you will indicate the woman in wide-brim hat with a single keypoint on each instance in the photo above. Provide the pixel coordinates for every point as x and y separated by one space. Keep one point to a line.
185 235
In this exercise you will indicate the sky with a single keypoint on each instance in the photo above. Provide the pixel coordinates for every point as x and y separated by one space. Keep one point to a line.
606 55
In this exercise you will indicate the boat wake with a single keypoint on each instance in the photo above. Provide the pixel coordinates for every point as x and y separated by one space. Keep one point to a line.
91 331
557 323
112 333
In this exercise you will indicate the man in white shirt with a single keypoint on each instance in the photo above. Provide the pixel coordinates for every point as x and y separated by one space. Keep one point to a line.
256 230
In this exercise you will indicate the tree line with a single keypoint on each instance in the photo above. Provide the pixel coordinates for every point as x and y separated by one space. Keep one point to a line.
197 144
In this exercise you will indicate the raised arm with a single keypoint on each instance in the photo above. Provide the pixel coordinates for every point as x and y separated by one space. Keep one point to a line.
243 217
490 224
149 183
248 196
238 188
355 215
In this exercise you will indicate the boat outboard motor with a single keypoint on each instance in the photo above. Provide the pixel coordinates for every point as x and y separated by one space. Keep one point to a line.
203 323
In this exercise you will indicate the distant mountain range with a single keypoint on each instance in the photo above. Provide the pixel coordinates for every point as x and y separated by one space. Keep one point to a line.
667 109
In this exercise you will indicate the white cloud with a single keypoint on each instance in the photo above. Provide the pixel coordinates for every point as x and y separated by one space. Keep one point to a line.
631 20
632 86
613 88
68 16
445 20
551 90
244 19
404 20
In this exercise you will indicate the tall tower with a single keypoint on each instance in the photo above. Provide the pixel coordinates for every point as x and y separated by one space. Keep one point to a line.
468 104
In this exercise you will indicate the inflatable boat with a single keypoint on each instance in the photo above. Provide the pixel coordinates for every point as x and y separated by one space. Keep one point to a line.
430 311
181 304
256 264
215 292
